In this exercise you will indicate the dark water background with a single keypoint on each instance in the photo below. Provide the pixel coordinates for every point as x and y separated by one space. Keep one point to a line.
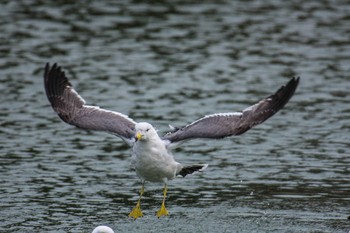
171 62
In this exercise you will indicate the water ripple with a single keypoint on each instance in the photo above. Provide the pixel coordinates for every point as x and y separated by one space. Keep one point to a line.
171 62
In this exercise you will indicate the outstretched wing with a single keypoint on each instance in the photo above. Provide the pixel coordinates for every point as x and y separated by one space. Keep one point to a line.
222 125
71 108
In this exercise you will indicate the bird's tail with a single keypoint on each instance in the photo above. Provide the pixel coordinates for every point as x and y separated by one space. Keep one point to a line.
191 169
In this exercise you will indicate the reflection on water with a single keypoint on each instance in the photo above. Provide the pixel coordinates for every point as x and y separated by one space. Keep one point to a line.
171 62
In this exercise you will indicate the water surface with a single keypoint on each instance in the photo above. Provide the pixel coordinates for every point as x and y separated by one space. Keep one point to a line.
171 62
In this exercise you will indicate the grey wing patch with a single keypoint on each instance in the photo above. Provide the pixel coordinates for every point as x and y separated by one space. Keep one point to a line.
228 124
218 125
71 108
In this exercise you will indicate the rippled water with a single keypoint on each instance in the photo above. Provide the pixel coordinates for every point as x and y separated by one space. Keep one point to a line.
171 62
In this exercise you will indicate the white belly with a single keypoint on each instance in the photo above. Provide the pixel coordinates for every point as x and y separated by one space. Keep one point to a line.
153 162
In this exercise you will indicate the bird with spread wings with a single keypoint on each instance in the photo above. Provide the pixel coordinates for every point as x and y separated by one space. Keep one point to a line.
152 154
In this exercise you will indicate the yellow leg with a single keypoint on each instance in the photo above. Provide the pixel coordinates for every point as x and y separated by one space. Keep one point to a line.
136 211
163 211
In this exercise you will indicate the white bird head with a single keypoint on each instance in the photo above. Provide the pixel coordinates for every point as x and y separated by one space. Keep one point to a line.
144 131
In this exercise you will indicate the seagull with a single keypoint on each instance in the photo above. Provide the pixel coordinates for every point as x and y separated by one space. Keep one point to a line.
103 229
152 155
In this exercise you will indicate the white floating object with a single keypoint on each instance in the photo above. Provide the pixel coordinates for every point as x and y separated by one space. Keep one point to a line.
103 229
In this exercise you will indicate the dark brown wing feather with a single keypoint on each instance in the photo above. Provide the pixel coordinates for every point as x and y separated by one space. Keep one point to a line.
71 108
228 124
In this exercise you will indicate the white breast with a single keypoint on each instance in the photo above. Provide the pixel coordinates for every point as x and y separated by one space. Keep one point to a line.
153 162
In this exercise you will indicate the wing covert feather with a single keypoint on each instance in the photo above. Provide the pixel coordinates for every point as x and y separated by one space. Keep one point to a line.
71 108
222 125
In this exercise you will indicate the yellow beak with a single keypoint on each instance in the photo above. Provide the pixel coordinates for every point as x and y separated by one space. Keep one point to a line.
138 136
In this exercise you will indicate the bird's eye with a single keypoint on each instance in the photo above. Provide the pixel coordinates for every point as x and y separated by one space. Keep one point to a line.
147 130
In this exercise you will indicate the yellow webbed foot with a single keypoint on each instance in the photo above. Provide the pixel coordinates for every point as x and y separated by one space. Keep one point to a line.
136 212
162 211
